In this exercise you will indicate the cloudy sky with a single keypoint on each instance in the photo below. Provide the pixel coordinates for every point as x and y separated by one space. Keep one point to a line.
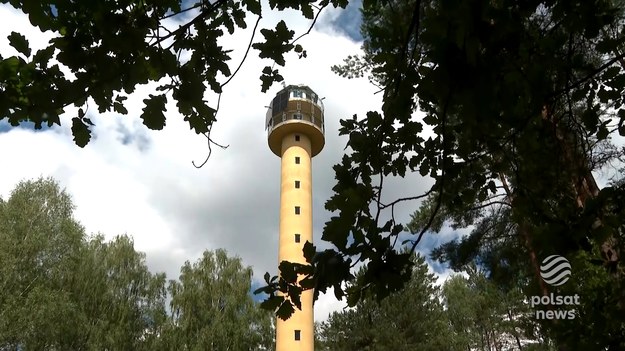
140 182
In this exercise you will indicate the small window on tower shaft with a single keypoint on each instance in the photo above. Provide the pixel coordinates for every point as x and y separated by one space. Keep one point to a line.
296 210
297 184
297 238
298 335
296 160
297 138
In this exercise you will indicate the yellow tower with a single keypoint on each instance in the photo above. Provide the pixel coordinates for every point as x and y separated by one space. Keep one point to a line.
296 134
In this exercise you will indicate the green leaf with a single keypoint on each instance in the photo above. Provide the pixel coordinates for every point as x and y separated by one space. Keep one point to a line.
606 45
307 10
387 226
482 195
603 132
264 290
590 119
81 132
336 231
9 66
353 297
200 122
287 271
606 96
272 303
285 311
268 77
239 18
119 108
276 43
295 294
53 118
424 168
430 120
307 283
253 6
398 228
153 113
309 251
611 72
579 94
19 42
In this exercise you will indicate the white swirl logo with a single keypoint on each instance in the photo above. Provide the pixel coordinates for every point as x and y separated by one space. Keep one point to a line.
555 270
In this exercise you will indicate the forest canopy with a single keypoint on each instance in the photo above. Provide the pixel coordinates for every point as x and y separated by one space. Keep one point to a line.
61 289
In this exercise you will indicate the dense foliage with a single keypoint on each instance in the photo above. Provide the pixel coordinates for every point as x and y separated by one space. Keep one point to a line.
466 313
110 47
63 290
410 320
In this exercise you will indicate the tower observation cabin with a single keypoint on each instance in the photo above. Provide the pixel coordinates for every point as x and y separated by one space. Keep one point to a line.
295 109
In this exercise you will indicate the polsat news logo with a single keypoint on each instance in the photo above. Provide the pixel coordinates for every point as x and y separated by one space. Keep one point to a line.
555 270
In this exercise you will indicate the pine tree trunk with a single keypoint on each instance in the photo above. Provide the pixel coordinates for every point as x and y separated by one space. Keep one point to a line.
583 183
514 330
527 241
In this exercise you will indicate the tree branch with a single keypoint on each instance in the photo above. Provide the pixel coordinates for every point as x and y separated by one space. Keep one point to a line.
589 76
442 178
311 25
307 32
246 52
209 140
199 4
383 206
207 135
415 23
194 21
491 203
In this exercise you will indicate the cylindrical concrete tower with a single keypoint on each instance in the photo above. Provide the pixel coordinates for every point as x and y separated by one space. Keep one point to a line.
296 134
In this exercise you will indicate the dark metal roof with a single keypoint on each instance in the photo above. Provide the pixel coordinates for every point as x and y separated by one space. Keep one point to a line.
296 86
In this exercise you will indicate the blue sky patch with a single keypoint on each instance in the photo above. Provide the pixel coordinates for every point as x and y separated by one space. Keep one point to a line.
6 127
255 285
137 138
349 20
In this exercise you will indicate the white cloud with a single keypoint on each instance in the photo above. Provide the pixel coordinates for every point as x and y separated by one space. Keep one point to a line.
16 21
326 304
442 277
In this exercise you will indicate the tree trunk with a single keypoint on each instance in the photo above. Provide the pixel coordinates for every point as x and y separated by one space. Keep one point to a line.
526 240
583 182
514 330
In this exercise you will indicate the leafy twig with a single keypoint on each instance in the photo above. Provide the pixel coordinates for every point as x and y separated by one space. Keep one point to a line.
383 206
311 25
199 4
246 52
442 178
194 21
